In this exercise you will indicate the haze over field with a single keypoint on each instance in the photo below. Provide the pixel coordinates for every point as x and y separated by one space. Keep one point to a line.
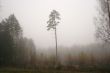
76 25
55 36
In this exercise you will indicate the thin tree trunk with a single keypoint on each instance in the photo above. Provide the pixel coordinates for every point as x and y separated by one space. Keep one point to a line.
108 16
108 11
56 46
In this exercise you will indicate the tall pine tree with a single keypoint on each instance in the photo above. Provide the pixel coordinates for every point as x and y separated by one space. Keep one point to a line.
10 33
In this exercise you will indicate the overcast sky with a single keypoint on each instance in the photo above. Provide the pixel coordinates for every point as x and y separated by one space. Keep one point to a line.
76 25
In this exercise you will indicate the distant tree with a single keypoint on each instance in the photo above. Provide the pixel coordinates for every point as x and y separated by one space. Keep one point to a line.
10 33
82 58
15 50
92 59
32 47
15 32
3 42
102 21
70 60
13 27
52 23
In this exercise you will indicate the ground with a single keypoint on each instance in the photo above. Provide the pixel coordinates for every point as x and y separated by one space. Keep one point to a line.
12 70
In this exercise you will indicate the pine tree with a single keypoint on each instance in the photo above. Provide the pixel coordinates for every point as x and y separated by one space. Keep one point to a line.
10 33
52 23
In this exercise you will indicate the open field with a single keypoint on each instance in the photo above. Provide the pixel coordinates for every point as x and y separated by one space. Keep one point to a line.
46 71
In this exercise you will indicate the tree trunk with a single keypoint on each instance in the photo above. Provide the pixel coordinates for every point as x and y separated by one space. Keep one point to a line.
56 46
108 11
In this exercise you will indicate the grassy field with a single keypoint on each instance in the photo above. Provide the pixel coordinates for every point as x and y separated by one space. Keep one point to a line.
46 71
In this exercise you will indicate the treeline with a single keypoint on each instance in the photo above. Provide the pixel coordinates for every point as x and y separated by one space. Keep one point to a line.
20 52
15 50
93 56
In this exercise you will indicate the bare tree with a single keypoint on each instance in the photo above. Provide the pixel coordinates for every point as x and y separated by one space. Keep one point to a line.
102 21
52 23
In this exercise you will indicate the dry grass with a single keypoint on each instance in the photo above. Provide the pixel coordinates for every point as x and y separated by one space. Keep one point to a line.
13 70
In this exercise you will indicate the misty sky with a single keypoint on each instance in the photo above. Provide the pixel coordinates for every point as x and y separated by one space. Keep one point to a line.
76 25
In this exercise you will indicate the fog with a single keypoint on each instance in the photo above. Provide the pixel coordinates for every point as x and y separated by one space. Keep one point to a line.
76 25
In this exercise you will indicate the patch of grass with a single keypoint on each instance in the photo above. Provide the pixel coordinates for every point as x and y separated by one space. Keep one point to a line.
14 70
